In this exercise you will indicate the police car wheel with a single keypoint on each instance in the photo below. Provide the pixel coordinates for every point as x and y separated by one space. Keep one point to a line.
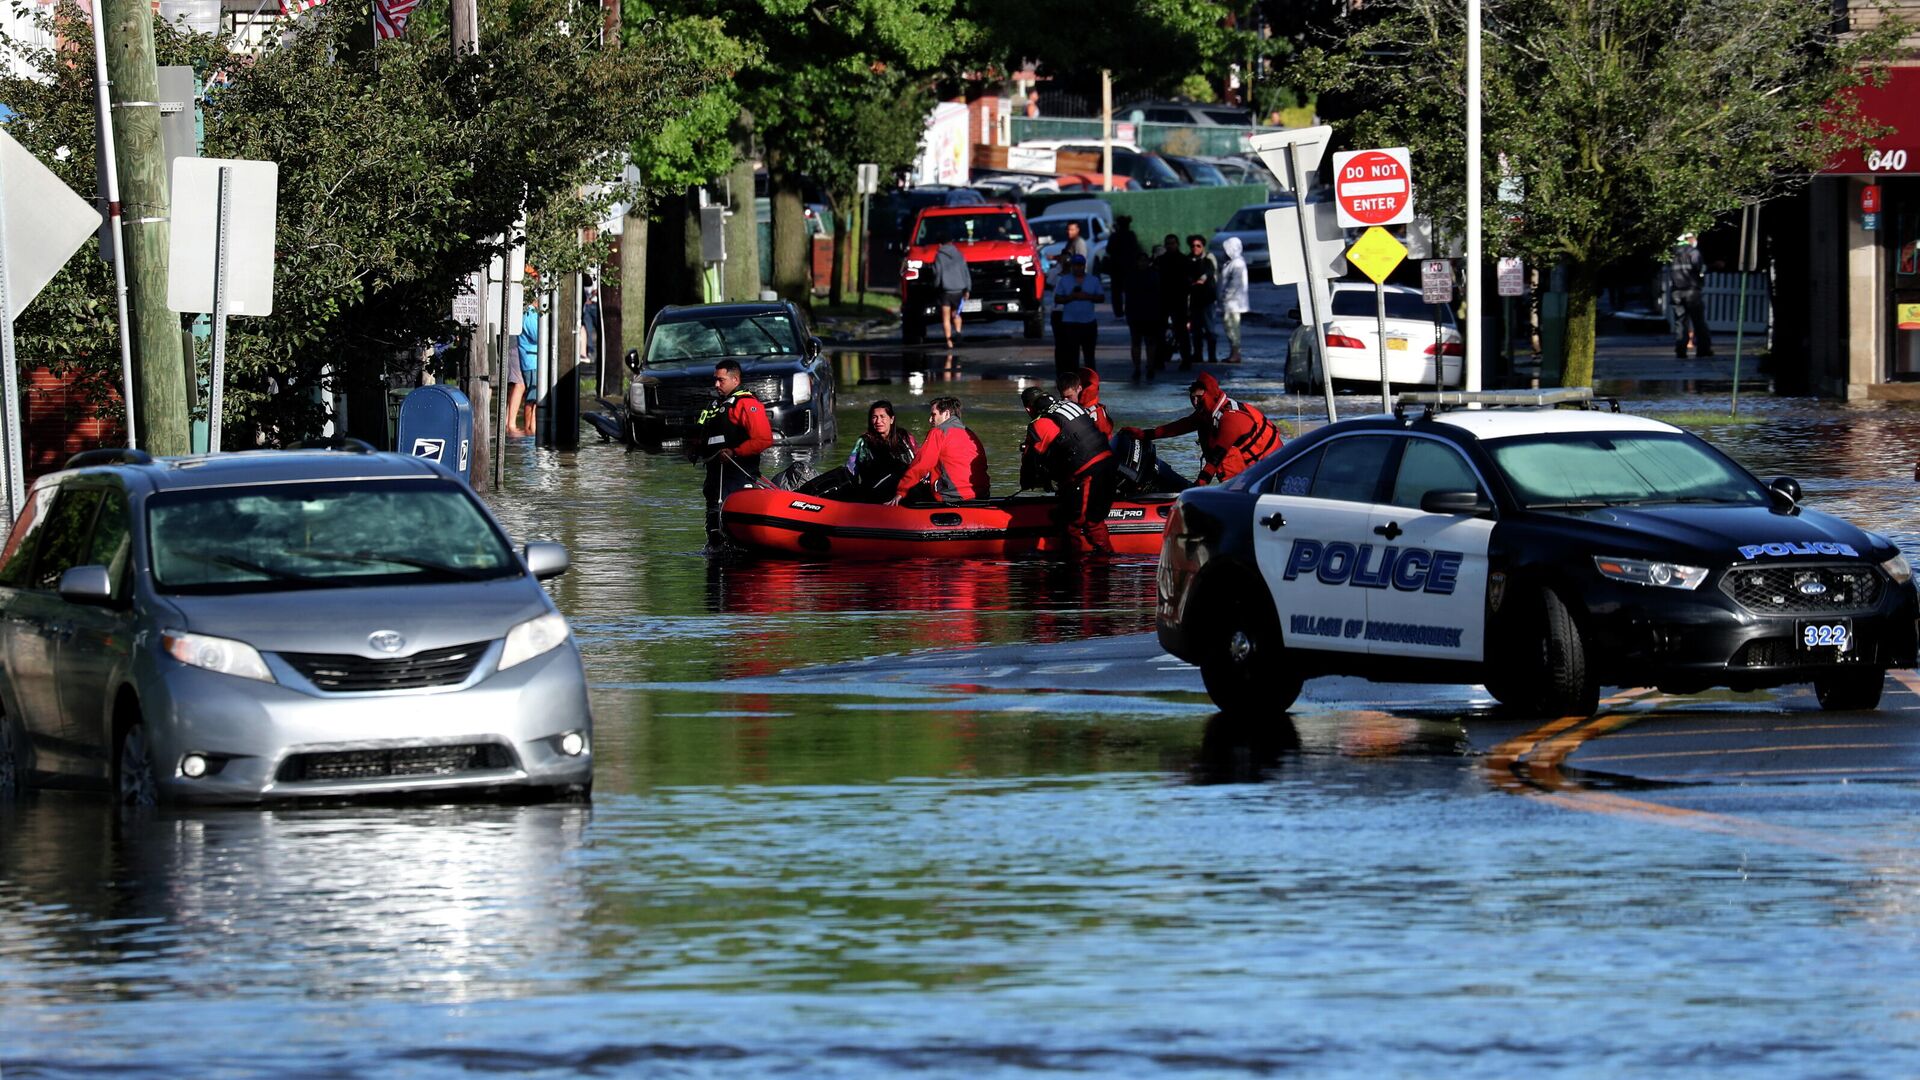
1247 670
1851 690
1563 682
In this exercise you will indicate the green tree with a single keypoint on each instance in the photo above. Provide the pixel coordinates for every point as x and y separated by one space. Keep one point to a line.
1620 121
400 168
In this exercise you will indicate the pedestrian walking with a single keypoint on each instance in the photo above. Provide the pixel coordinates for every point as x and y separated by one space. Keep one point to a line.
1074 338
955 279
1170 264
1146 321
1203 290
1123 254
1687 277
1233 295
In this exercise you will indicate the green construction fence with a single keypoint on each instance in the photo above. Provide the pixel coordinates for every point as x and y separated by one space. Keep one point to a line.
1181 211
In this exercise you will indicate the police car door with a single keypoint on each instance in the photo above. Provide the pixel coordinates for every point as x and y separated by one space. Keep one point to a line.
1308 528
1429 595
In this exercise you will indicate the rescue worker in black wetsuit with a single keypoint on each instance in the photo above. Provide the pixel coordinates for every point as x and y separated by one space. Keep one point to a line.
1064 450
733 432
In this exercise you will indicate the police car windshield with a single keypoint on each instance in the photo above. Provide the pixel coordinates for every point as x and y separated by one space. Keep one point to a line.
714 337
1575 470
276 537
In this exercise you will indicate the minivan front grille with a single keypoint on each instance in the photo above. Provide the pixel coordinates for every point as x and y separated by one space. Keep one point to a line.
1787 589
344 674
393 762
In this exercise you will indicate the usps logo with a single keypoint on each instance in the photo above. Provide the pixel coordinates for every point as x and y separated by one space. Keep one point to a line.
430 448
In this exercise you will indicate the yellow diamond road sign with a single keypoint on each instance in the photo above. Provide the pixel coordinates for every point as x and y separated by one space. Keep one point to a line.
1376 253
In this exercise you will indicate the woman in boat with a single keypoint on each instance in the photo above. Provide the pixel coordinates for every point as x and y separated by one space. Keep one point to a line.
882 453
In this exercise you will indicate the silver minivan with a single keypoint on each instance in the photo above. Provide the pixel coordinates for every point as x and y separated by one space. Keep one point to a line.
280 624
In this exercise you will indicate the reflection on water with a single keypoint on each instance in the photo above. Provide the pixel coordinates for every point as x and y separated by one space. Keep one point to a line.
839 883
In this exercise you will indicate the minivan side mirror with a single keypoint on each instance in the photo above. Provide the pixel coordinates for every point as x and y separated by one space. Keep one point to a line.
546 559
1785 491
633 360
87 585
1470 503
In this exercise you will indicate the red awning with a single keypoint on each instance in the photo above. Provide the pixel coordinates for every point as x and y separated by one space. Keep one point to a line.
1896 105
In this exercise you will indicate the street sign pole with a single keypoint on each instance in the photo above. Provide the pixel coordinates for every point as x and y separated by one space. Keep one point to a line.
1316 288
217 377
10 382
1380 324
1749 261
1470 378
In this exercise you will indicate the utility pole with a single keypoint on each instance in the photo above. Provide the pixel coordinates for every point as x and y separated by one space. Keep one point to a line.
563 404
1106 130
479 380
161 383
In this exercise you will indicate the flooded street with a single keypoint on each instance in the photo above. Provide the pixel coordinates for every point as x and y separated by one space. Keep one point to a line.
1079 870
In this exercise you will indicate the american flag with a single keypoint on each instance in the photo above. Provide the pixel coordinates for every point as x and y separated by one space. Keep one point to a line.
390 16
295 7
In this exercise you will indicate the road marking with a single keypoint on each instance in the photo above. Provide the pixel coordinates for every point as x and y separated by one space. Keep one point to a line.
1745 750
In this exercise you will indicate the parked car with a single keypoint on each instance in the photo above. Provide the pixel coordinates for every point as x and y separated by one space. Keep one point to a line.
1050 232
1009 281
1196 171
1353 341
1189 113
280 624
1089 182
1143 170
780 361
1240 170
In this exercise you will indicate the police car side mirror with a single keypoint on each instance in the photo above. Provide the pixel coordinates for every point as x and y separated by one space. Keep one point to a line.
633 360
1785 491
1468 503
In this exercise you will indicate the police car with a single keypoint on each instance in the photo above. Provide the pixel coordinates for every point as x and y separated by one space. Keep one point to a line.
1541 551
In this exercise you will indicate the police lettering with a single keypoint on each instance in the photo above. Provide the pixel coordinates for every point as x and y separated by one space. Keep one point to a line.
1406 569
1754 551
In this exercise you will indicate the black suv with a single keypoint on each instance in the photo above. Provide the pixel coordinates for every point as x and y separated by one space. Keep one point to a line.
780 361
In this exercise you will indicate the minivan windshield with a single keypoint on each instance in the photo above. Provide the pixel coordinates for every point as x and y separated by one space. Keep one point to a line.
715 336
1588 469
318 535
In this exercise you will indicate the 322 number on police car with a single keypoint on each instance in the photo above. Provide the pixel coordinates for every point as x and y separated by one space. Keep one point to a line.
1834 635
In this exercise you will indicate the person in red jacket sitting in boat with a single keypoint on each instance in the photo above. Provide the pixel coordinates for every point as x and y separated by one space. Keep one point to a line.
1065 451
1083 389
1233 435
952 458
733 431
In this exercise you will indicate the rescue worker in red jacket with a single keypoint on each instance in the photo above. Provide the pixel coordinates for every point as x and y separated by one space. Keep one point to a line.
1083 389
952 457
1065 451
1233 435
733 431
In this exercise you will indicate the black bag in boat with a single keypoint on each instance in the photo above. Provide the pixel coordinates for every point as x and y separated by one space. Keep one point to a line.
1140 471
794 477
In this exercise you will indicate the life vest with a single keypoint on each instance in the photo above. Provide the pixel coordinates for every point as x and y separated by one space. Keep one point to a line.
720 431
879 464
1079 443
1261 440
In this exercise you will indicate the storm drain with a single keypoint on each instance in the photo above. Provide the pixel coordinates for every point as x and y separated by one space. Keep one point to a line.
395 762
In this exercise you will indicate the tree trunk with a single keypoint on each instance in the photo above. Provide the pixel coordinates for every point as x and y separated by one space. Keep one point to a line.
838 287
792 247
565 406
1582 306
633 289
744 227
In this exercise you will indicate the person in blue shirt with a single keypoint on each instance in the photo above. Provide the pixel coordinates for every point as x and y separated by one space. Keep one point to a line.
523 377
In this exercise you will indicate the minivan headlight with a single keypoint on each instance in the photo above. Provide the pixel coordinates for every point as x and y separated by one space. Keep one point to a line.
533 637
224 655
1644 572
1898 569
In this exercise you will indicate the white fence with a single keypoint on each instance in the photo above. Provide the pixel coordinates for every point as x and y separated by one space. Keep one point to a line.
1722 299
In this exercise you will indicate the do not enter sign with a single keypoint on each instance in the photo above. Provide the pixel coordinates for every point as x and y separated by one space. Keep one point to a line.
1373 187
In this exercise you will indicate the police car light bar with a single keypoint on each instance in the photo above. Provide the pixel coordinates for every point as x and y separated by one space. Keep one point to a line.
1436 401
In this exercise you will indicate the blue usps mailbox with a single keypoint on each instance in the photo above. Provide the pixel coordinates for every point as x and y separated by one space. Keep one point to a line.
437 422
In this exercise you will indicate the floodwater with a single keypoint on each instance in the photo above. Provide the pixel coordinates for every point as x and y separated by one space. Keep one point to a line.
836 884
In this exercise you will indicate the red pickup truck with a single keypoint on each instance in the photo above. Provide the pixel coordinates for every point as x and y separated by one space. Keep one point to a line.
1008 280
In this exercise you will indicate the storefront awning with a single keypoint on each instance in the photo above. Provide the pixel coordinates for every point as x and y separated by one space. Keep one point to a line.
1896 104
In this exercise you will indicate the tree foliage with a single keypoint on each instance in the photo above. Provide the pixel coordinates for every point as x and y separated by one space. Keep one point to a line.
1618 122
402 168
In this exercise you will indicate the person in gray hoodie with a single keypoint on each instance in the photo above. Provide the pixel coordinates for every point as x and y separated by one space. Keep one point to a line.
956 281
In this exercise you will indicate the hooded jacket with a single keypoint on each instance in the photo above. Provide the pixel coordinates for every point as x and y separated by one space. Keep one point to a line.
955 460
1233 278
950 269
1232 435
1090 401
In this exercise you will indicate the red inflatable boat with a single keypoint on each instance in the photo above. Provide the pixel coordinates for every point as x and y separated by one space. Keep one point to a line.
786 522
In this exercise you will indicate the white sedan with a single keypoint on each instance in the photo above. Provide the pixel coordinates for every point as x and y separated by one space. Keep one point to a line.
1415 341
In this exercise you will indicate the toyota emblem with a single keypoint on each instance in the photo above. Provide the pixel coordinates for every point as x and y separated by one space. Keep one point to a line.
387 641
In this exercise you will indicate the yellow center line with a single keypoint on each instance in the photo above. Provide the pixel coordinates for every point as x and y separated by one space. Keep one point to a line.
1778 749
